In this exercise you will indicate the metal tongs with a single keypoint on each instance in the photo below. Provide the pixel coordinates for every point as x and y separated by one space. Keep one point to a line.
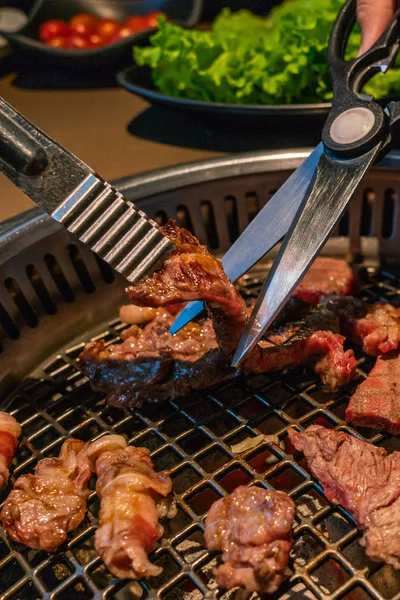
73 194
357 133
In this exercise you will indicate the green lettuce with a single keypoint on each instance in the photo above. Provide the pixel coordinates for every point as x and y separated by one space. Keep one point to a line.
246 59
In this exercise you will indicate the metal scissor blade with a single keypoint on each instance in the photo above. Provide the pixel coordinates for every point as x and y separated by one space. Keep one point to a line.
264 231
335 183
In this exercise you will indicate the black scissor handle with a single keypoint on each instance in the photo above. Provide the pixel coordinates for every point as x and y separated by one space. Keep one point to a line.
348 78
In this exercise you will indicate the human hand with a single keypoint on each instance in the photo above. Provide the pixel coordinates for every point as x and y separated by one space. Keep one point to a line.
373 16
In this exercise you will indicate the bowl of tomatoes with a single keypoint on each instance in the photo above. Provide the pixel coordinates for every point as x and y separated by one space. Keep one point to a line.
94 33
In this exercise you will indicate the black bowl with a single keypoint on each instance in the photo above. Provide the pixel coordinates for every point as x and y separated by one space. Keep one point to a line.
138 80
30 48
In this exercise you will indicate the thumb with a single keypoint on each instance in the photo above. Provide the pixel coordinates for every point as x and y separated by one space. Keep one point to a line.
373 16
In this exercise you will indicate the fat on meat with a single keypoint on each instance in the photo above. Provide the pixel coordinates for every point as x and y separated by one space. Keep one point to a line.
132 499
43 507
252 527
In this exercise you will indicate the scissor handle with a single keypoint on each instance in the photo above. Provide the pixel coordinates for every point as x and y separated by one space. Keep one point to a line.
356 123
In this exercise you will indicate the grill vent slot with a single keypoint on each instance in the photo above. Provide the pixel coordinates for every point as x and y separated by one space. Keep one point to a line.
252 207
210 226
59 278
106 271
22 303
41 290
232 217
366 211
344 224
161 217
388 217
81 269
183 217
8 324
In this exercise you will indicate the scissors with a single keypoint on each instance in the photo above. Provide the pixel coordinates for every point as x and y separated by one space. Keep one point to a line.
358 132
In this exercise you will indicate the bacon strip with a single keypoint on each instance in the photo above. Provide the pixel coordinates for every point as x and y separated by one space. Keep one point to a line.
133 497
10 431
42 508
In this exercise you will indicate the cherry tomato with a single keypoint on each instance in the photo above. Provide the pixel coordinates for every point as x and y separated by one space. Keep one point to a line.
58 42
83 29
53 28
77 42
85 19
150 20
135 24
123 33
108 28
96 40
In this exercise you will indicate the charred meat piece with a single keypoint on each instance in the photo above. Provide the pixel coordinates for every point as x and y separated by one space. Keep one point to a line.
133 497
253 529
363 479
42 508
191 273
152 365
10 431
376 327
326 276
376 401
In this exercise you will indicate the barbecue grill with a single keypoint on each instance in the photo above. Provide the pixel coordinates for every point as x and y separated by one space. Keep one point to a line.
55 296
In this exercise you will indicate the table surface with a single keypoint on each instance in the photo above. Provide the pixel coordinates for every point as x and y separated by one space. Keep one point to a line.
119 134
93 124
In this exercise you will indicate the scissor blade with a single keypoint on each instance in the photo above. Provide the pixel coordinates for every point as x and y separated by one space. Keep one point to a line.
335 183
264 231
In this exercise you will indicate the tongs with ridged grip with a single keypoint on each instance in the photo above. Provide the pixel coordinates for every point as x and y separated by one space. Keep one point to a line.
75 196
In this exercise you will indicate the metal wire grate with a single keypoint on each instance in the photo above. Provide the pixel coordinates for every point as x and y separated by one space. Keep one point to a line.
192 436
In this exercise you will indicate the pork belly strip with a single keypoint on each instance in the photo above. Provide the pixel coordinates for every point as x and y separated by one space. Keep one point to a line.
326 276
132 499
376 327
10 431
43 507
376 401
362 478
253 529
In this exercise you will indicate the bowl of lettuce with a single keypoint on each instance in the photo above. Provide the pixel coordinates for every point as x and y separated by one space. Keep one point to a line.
247 63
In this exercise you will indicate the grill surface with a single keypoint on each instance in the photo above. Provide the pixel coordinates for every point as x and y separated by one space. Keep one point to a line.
192 437
53 291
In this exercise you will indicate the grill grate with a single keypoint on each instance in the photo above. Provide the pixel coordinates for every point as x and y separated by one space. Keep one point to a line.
192 436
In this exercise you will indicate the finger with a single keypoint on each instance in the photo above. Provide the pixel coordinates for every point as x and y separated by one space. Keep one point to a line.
373 17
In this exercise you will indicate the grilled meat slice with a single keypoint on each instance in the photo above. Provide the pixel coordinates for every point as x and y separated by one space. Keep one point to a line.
376 327
252 528
363 479
42 508
133 497
326 276
152 365
10 431
190 272
376 401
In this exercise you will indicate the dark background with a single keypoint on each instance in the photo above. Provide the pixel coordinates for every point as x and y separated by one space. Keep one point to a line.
211 7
